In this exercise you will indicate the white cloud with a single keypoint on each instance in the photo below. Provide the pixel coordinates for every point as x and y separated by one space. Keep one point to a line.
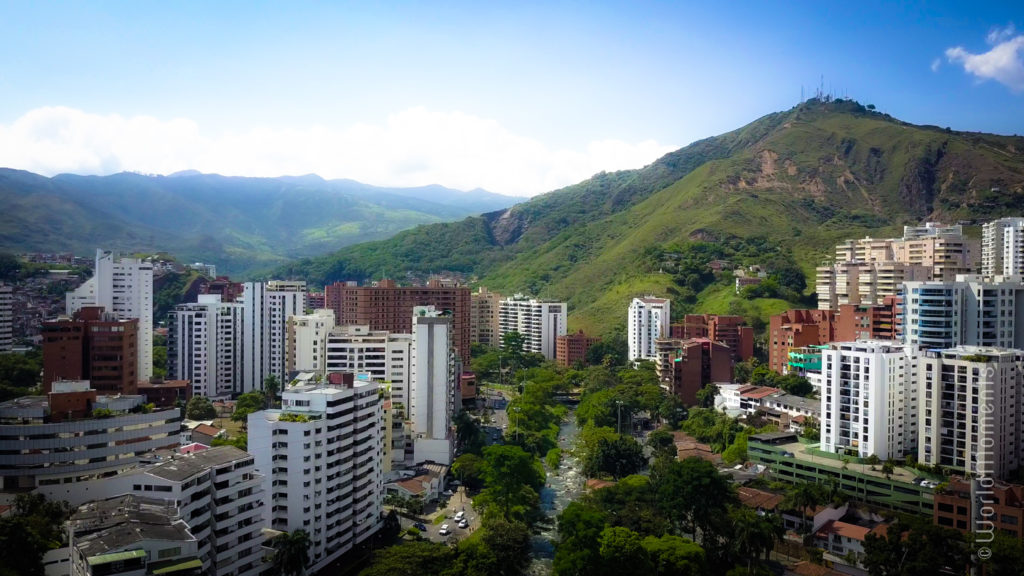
936 64
1004 63
413 147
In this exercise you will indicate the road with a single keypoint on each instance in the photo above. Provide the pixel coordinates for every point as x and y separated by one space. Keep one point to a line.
458 502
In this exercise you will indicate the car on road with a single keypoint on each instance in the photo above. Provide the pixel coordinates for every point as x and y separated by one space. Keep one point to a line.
464 524
444 531
460 516
420 526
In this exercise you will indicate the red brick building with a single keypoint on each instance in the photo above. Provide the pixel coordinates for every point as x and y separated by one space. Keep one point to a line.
952 508
93 346
572 348
729 330
795 329
686 366
387 306
166 393
229 291
869 321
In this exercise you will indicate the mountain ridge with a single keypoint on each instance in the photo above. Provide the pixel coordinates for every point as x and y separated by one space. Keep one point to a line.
791 184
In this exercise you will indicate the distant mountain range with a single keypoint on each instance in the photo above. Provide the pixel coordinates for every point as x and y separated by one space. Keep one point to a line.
240 224
785 188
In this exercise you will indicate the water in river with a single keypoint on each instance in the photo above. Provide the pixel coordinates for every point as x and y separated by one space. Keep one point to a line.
563 486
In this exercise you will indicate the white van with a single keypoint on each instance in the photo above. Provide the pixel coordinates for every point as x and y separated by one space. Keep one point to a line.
460 516
444 531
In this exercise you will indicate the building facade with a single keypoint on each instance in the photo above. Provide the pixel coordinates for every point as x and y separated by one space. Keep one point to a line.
798 329
484 324
204 345
571 349
6 317
123 286
306 347
266 308
320 456
972 402
869 401
1002 247
432 398
969 311
540 322
93 345
649 320
870 321
388 307
686 366
729 330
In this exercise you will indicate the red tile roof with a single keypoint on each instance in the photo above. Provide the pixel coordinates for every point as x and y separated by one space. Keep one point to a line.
851 531
207 430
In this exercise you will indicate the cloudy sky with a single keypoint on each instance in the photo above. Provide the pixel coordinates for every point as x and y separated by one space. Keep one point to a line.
518 98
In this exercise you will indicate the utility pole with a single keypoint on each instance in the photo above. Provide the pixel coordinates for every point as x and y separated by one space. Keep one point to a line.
516 409
618 418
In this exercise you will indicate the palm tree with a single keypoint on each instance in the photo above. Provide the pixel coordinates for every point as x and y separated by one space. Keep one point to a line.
753 535
803 496
291 553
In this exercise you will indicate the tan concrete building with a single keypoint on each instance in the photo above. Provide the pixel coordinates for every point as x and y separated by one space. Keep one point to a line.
484 327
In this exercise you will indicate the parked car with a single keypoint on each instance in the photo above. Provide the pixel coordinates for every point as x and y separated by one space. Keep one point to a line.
444 531
464 524
459 516
420 526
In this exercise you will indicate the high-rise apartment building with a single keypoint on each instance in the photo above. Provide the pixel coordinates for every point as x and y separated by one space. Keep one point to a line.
797 329
320 456
686 366
204 345
306 348
432 398
571 349
971 407
223 286
869 402
266 309
93 345
388 306
1002 247
6 317
52 441
870 321
869 269
381 357
484 324
123 286
969 311
649 319
540 322
729 330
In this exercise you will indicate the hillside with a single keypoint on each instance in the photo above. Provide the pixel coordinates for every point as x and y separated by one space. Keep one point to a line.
240 224
781 191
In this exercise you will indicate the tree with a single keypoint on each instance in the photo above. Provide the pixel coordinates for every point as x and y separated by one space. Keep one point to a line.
692 493
579 530
34 526
610 351
753 535
291 553
674 556
20 370
662 444
672 411
622 552
470 469
794 384
618 457
468 434
888 468
706 395
805 496
271 388
512 480
512 344
247 404
200 408
410 559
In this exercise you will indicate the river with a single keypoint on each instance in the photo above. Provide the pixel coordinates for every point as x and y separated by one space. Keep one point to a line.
563 486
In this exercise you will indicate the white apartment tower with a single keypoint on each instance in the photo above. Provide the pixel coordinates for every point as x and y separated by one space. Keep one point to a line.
432 398
306 349
6 317
868 403
540 322
969 311
123 286
972 401
649 319
204 346
1002 247
267 307
321 455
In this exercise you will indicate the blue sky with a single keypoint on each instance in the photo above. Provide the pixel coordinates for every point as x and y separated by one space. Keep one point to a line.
517 98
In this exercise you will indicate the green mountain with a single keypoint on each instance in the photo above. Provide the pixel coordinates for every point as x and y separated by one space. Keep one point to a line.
781 191
240 224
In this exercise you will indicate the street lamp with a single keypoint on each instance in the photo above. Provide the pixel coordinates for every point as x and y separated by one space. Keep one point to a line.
618 418
516 410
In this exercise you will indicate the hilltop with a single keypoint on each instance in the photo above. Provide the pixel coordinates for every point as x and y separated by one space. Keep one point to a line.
241 224
782 190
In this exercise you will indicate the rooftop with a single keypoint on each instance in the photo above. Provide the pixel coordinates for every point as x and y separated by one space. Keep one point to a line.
104 513
183 467
120 536
809 452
